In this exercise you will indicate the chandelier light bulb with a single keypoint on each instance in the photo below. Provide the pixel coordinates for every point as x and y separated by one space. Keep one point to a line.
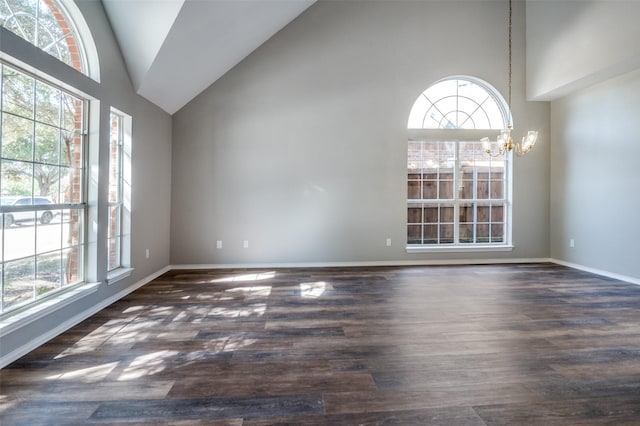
530 140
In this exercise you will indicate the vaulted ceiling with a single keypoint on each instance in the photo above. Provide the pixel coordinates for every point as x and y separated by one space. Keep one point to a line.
174 49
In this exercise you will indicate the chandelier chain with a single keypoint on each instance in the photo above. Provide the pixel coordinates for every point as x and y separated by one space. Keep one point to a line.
510 48
505 143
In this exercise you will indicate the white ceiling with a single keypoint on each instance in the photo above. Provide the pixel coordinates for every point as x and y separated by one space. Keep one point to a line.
174 49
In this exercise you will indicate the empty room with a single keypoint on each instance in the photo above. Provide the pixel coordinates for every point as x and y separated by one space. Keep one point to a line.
320 212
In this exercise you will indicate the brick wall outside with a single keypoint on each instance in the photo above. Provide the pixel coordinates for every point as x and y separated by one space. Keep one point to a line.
74 149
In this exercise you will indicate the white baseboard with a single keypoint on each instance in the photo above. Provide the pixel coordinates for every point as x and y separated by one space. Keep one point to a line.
359 264
62 327
607 274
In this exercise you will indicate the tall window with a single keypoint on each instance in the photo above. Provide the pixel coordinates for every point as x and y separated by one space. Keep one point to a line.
458 196
43 154
119 190
45 24
42 168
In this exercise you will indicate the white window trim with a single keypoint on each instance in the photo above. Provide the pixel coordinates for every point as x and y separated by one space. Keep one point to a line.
437 135
118 274
83 33
49 303
26 57
459 248
125 269
14 320
467 135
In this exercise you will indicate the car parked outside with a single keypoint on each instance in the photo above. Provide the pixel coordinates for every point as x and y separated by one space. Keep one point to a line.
44 216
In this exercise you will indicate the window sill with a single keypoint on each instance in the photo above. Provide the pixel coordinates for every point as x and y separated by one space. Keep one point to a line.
118 274
19 319
459 249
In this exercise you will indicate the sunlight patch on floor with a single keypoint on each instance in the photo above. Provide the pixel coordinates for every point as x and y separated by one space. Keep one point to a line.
133 309
86 375
314 290
251 293
258 309
6 403
246 277
95 339
147 365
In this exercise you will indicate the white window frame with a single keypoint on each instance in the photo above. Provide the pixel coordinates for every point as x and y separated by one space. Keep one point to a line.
123 139
46 67
79 30
79 287
465 135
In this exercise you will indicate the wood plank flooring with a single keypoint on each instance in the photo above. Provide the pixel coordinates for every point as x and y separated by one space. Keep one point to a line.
535 344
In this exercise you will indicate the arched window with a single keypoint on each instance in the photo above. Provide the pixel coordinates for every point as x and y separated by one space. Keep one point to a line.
56 27
458 196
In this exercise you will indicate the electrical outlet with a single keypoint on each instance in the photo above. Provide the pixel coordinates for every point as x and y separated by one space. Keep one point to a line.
388 242
572 243
245 244
219 244
146 253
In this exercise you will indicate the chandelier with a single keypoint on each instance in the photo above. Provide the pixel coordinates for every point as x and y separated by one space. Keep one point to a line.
504 143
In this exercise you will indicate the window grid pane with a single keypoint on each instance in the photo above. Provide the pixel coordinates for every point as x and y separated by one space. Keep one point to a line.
457 104
116 147
45 25
431 170
41 166
449 177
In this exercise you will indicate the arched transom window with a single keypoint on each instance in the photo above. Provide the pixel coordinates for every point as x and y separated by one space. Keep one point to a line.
458 196
457 103
47 25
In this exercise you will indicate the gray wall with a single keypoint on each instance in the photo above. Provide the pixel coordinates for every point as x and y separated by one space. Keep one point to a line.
151 171
584 56
574 44
301 148
151 150
596 177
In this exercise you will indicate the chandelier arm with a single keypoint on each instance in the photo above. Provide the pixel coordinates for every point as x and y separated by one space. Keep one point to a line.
501 151
495 155
518 150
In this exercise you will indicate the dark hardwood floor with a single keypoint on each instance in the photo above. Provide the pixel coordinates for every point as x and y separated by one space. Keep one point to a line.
530 344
